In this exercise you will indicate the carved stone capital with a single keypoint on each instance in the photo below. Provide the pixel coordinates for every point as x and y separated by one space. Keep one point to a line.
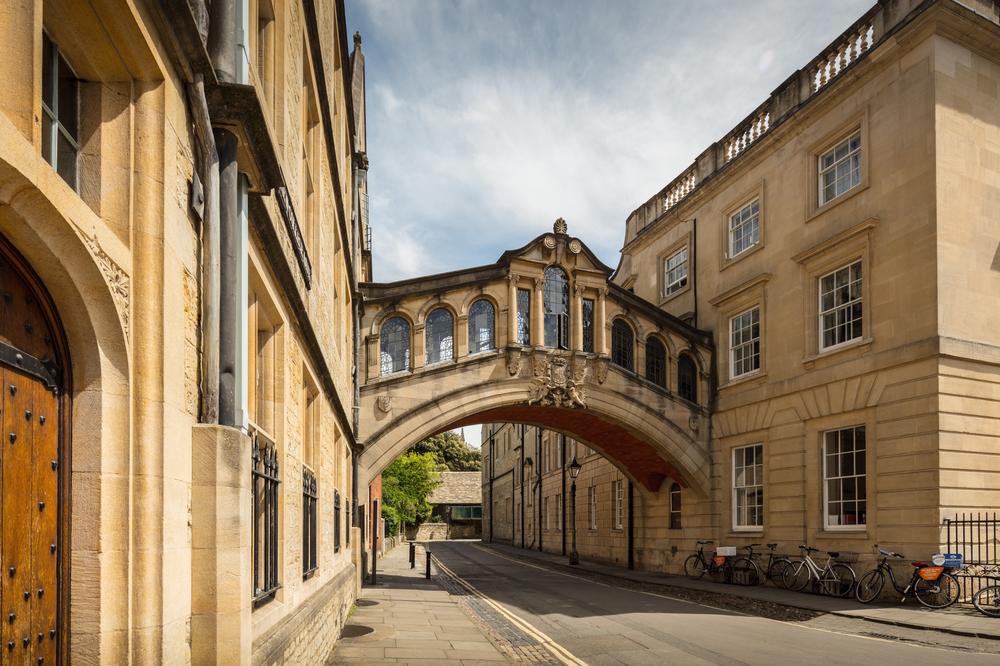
513 361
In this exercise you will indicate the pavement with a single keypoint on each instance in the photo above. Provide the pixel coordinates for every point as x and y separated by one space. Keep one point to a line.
598 619
958 620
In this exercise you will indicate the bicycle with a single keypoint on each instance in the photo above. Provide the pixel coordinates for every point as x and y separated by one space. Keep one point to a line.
697 565
747 571
931 585
987 600
775 566
834 578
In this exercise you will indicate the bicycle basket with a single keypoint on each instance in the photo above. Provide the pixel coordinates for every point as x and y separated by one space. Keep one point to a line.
847 557
719 560
931 573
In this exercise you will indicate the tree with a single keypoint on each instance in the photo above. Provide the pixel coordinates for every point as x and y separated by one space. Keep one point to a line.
406 485
451 450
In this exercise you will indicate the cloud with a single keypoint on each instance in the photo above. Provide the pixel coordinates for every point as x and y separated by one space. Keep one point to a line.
488 120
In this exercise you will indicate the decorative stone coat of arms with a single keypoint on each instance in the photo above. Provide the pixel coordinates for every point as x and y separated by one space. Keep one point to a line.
557 382
384 403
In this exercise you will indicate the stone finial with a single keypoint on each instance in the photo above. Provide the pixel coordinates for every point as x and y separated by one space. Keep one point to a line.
357 39
560 227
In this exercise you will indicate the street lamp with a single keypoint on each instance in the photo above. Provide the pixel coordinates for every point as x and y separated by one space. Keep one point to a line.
574 471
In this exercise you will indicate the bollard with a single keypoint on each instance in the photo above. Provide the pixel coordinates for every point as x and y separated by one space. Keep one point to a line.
413 555
427 573
374 563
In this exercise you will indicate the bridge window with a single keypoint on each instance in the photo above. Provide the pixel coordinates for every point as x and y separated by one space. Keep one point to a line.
622 344
556 308
687 378
395 344
675 507
656 362
440 336
588 325
482 319
523 317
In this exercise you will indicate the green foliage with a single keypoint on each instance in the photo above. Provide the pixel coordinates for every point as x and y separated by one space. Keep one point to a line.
406 485
452 451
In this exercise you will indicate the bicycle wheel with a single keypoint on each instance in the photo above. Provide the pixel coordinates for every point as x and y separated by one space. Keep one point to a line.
694 567
796 576
745 572
838 580
987 601
939 593
777 571
870 586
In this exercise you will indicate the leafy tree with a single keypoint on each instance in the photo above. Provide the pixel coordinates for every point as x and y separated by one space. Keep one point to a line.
406 485
451 450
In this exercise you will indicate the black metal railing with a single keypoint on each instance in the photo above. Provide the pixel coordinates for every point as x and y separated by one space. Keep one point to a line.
336 521
265 525
310 497
977 538
347 522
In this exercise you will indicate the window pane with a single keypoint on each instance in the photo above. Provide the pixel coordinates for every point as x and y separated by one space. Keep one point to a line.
523 317
47 138
66 161
395 346
68 100
588 325
482 321
440 337
621 344
556 302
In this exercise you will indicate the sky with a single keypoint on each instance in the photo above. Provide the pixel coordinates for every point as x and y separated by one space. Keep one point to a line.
488 119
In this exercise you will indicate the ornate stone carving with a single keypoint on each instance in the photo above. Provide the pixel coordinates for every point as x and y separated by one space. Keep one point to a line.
513 277
384 403
560 227
549 241
557 383
513 361
694 422
601 364
114 275
575 246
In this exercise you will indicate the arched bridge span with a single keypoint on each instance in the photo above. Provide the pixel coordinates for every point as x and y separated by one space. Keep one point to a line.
540 337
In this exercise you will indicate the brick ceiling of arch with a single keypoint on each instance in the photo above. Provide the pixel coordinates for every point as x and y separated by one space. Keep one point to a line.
616 443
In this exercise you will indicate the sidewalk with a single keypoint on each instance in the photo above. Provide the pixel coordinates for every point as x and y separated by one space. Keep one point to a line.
956 620
412 620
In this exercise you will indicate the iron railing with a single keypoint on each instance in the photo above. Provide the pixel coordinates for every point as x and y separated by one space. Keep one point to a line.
265 524
309 537
977 538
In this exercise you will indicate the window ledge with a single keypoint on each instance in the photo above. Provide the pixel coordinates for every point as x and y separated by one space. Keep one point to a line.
741 532
858 533
860 344
745 379
836 201
730 261
671 296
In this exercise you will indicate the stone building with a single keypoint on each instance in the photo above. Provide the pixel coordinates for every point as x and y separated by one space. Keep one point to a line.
180 244
458 503
841 247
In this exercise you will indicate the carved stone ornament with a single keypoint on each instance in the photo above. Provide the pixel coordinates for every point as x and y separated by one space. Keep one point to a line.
384 403
694 422
513 361
549 241
601 365
556 383
575 246
116 277
560 227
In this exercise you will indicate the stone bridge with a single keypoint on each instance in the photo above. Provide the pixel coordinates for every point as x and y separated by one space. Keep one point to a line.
541 337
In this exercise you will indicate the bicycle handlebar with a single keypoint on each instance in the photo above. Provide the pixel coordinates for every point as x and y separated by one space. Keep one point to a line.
809 549
889 553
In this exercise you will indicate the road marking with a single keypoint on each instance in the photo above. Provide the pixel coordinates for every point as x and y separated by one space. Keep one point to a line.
786 623
561 654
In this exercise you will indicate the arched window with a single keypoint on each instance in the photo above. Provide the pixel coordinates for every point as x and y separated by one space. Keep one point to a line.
556 308
687 378
675 506
656 362
440 336
482 320
622 344
395 346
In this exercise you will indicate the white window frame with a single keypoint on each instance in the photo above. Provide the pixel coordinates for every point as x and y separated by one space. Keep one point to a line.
735 320
747 216
860 480
672 285
854 176
618 502
592 506
847 306
743 488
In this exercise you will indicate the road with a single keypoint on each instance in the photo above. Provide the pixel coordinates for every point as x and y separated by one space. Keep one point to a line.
602 624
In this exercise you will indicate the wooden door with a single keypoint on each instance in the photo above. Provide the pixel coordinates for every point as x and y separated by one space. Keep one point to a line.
29 475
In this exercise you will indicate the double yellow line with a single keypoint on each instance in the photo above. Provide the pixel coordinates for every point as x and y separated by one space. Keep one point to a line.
561 654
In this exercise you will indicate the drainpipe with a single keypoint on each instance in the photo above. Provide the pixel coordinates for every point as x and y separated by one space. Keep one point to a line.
222 49
522 486
209 252
538 476
694 266
562 489
492 476
631 525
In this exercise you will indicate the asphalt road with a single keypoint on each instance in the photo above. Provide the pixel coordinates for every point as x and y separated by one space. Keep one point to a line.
602 624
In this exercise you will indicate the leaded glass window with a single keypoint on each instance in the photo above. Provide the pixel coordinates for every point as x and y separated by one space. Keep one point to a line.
395 346
622 344
556 301
523 317
687 378
656 362
588 325
440 336
482 322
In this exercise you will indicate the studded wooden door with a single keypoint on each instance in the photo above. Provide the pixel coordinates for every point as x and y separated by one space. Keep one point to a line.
33 400
29 484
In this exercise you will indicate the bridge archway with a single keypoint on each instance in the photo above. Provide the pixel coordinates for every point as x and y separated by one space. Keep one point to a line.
639 423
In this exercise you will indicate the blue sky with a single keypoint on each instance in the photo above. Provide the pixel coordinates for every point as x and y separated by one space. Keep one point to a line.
489 119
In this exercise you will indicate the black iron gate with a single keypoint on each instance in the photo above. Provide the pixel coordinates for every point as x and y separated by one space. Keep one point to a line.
976 536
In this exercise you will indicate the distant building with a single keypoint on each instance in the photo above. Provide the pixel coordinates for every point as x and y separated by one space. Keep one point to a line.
458 502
